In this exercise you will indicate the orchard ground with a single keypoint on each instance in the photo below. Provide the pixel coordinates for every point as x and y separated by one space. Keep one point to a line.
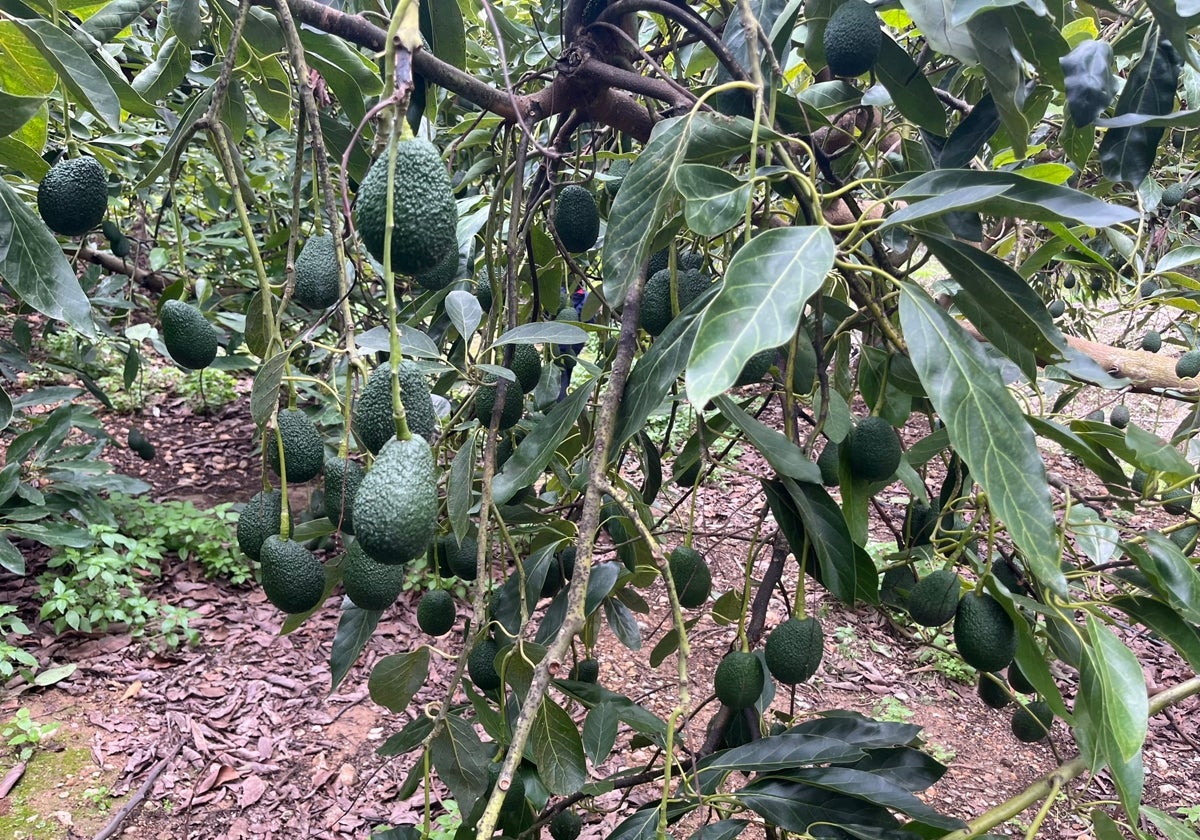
250 743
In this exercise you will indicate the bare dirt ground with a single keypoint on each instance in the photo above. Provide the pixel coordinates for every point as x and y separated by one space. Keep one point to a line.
240 737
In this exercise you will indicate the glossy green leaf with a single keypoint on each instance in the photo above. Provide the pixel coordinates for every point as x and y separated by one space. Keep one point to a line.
714 199
459 496
442 26
11 559
1098 538
408 738
1154 453
1172 829
1090 80
461 759
996 52
15 111
638 717
543 332
1112 677
907 767
352 77
1037 39
34 267
1025 198
640 825
1166 622
910 91
784 456
779 752
875 789
464 311
1171 574
110 21
184 18
647 192
623 624
600 732
721 830
354 630
539 447
767 284
396 678
986 427
76 70
22 158
657 369
1104 826
1126 154
181 134
557 750
264 394
794 806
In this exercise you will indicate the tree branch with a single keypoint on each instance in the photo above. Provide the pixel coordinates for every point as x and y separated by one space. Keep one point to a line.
150 280
686 18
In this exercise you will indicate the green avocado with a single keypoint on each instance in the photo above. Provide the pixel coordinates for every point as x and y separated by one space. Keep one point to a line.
373 423
395 509
794 650
303 448
425 216
342 479
874 449
317 274
435 612
577 218
934 600
73 197
441 275
292 578
691 576
260 518
370 585
739 680
984 632
527 365
485 402
190 339
852 39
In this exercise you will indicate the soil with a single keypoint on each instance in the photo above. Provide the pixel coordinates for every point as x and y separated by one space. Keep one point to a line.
240 736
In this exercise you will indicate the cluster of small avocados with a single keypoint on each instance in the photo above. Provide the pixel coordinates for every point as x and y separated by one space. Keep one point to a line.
793 652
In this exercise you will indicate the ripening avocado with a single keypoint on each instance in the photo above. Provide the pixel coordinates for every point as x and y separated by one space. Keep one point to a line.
485 403
1056 308
1031 723
657 311
73 197
984 632
441 275
794 650
934 600
190 339
852 39
527 365
317 273
435 612
1119 417
483 289
577 218
425 216
1174 194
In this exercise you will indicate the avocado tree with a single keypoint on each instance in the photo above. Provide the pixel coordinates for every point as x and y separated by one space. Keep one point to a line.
847 254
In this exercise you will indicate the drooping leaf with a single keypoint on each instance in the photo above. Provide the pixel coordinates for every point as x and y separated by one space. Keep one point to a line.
1172 828
967 138
538 448
15 111
557 750
353 632
1166 622
34 267
442 26
875 789
948 37
1126 154
1025 198
264 394
910 91
76 70
794 806
998 59
184 18
396 678
623 624
714 199
107 23
543 332
784 456
767 284
777 753
1113 679
461 759
459 496
1090 80
986 427
721 830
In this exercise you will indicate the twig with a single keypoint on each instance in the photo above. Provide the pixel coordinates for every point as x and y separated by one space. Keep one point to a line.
120 817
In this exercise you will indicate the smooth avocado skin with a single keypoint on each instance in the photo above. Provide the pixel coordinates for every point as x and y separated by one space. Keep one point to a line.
424 213
852 39
481 665
577 218
317 274
1031 723
73 197
373 423
292 578
370 585
190 339
303 447
794 650
739 680
260 518
691 576
984 633
435 612
342 480
395 509
934 600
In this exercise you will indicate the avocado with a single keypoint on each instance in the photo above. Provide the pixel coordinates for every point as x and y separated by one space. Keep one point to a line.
317 273
1119 417
303 448
756 367
577 218
456 559
370 585
586 670
1174 194
852 39
617 171
483 289
873 449
794 650
984 633
342 479
566 825
425 216
122 247
527 365
1017 679
395 509
435 612
1147 289
828 464
896 586
292 578
1152 341
656 299
1056 308
190 339
691 576
260 518
934 600
485 402
559 572
373 423
1188 364
481 665
1031 723
992 692
441 275
73 197
140 444
739 680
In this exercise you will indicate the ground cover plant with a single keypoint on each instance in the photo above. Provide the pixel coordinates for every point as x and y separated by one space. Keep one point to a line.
471 258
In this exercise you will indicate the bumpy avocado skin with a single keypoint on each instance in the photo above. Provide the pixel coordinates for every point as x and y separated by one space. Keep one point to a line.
73 197
292 578
342 480
577 218
370 585
317 273
261 517
373 422
303 448
395 509
191 341
852 39
423 209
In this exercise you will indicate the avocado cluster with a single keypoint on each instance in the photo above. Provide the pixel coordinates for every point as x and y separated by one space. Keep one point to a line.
73 197
424 213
